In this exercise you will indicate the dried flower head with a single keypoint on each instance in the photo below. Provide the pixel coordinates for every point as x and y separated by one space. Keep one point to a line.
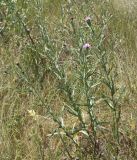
32 113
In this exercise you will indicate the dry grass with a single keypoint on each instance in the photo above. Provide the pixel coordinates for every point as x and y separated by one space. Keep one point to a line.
30 87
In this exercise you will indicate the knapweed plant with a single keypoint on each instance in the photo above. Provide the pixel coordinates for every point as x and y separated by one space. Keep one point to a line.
66 72
81 67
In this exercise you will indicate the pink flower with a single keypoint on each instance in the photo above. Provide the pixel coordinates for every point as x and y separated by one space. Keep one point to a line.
86 46
87 18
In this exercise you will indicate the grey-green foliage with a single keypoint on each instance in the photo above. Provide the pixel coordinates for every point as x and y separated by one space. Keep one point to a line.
86 78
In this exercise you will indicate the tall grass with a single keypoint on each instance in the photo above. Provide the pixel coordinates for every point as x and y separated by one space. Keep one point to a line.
68 80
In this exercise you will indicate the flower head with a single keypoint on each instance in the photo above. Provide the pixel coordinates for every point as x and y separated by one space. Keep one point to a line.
88 20
86 46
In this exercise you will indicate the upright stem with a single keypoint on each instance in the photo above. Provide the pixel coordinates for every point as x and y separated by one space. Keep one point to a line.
89 106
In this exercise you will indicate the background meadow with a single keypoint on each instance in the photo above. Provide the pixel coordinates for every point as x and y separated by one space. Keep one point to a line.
68 79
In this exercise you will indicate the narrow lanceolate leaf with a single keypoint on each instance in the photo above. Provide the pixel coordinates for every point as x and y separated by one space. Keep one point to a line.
62 122
84 132
72 111
96 84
